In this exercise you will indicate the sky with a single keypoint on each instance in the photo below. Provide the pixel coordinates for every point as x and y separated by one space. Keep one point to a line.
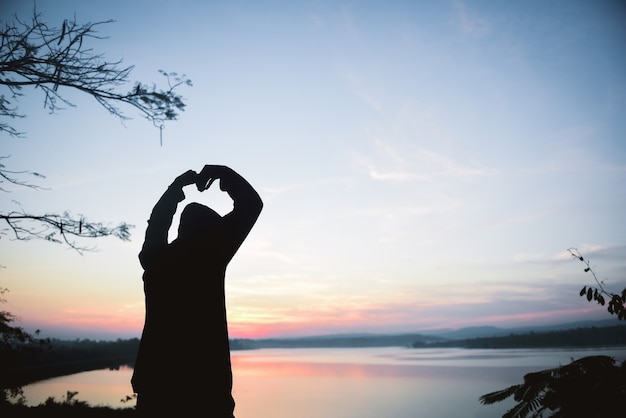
423 165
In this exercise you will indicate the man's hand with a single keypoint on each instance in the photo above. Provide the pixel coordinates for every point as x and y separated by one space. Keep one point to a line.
208 175
185 179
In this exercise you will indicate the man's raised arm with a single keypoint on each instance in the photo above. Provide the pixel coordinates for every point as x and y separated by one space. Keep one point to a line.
247 203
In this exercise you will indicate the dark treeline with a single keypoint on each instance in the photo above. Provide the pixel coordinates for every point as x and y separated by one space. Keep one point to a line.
336 341
61 357
65 410
572 338
64 357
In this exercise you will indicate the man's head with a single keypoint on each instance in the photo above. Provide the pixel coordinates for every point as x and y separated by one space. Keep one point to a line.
197 220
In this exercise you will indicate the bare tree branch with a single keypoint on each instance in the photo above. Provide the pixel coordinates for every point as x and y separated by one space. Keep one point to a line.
47 58
10 176
61 228
54 60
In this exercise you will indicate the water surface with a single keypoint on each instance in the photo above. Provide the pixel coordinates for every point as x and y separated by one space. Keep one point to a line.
347 382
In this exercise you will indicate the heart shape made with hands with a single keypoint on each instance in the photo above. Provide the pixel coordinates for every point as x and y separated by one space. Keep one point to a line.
215 198
203 184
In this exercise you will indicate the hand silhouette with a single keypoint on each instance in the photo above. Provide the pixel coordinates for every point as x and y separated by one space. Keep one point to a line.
208 175
187 178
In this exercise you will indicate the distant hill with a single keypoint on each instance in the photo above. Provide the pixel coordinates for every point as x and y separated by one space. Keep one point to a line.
611 336
490 331
67 357
329 341
432 338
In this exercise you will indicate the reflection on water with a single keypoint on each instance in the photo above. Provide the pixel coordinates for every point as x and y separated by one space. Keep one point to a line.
347 383
97 387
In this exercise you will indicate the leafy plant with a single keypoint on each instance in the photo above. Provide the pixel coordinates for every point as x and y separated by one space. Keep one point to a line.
592 386
615 304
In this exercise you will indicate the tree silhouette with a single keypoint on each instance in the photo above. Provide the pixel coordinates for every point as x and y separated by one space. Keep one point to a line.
592 386
52 60
32 54
14 342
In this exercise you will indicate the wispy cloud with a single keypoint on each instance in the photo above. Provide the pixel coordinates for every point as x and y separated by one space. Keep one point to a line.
470 22
270 193
392 164
364 91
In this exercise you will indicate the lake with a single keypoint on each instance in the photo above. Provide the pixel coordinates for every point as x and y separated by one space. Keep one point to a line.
389 382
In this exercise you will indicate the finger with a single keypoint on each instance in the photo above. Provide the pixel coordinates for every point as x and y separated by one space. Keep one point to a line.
203 185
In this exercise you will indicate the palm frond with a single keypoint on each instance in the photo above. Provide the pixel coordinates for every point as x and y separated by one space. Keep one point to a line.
493 397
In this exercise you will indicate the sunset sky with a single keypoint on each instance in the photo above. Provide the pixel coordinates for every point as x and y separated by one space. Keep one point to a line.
423 164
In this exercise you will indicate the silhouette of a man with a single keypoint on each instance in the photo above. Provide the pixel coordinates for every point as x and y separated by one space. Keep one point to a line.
183 365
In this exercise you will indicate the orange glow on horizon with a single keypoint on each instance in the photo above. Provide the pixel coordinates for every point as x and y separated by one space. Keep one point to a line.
375 320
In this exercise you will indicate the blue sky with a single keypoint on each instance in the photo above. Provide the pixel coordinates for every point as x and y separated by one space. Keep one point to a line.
423 164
